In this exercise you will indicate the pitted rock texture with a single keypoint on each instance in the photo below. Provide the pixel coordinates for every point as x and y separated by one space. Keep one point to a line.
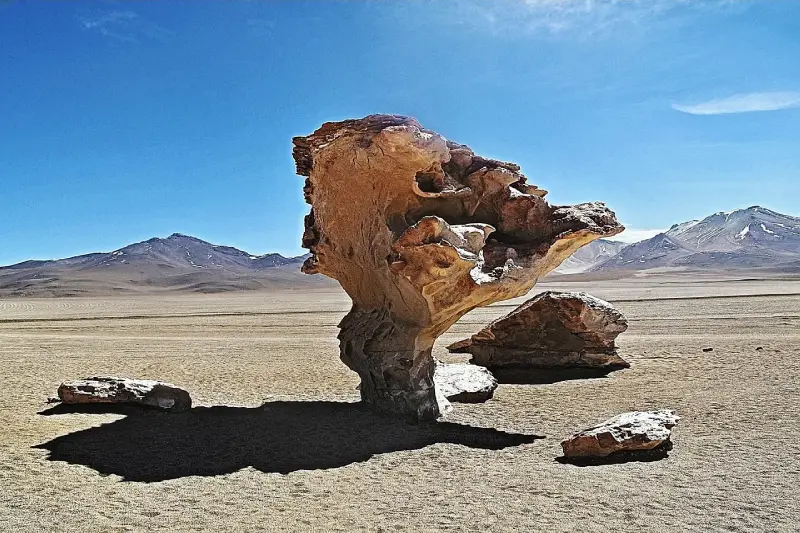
636 431
551 330
420 230
463 383
107 389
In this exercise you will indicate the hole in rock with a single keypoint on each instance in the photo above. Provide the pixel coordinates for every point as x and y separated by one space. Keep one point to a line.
430 182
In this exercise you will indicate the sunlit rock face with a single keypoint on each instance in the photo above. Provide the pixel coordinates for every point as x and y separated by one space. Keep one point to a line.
552 330
419 230
463 383
143 392
636 431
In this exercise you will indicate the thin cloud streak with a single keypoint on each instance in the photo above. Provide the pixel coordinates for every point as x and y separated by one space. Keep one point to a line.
103 19
564 18
124 26
743 103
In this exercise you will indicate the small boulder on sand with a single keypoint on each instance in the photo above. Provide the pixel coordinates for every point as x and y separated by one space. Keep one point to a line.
636 431
551 330
107 389
460 382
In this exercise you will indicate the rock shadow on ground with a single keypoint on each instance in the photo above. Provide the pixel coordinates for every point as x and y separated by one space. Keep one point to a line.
546 376
640 456
279 437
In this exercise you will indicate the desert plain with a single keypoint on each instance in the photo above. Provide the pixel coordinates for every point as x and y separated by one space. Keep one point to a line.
276 442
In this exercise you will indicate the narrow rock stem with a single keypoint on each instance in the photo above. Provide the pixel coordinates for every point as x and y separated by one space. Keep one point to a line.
396 371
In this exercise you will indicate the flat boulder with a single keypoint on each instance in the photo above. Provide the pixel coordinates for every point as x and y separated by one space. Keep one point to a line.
551 330
107 389
464 383
636 431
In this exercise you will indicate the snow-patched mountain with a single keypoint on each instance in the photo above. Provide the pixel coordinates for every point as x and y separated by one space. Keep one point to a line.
746 238
184 251
178 262
590 255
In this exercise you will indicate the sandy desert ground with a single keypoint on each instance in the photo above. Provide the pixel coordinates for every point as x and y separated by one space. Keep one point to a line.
309 460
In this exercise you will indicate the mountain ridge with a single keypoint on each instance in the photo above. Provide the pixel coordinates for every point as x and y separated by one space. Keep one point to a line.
754 237
751 238
178 262
592 254
270 258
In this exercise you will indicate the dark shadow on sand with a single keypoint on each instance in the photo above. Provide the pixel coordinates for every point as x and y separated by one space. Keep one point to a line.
544 376
276 437
96 409
648 456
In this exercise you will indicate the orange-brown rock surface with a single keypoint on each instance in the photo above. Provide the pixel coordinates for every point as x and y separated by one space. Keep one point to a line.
551 330
420 230
636 431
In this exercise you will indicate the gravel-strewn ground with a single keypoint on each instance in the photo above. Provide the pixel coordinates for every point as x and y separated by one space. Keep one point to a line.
305 463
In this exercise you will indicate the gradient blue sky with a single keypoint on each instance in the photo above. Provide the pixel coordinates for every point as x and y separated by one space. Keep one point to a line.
120 121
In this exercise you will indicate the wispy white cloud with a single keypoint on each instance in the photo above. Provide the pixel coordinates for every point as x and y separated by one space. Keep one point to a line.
742 103
636 235
123 26
553 18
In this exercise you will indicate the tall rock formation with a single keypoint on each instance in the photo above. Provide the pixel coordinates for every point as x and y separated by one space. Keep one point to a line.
419 230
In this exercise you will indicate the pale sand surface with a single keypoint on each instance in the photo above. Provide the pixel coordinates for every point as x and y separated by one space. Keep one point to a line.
321 466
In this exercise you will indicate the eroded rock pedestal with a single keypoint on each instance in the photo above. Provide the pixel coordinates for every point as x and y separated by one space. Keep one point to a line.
553 330
144 392
420 230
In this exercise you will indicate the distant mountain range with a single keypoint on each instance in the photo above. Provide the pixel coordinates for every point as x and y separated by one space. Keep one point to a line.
752 238
179 262
590 255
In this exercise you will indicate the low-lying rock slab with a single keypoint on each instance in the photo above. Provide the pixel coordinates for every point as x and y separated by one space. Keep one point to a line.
464 383
636 431
560 330
107 389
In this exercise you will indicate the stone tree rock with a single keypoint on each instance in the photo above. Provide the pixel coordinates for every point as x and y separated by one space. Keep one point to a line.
419 230
636 431
145 392
551 330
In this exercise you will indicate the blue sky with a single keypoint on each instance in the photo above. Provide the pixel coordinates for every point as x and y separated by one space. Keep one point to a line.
120 121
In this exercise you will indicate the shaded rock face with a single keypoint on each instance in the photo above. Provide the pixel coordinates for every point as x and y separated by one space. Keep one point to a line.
551 330
148 393
464 383
637 431
419 230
